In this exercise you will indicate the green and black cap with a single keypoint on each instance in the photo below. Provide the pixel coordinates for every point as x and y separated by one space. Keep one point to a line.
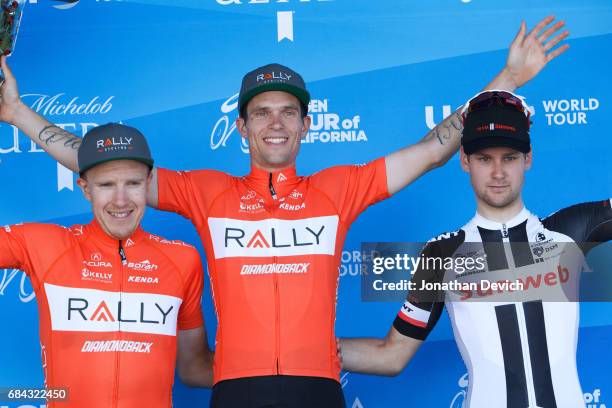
272 77
113 141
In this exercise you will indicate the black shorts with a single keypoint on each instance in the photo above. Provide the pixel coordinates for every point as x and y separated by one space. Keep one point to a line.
277 391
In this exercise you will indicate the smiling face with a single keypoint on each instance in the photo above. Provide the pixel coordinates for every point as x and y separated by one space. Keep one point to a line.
497 175
117 191
274 128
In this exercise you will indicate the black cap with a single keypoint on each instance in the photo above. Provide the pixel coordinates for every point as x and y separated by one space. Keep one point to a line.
497 125
272 77
113 141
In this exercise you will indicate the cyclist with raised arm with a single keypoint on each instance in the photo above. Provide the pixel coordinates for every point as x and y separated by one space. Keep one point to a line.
113 299
518 343
273 239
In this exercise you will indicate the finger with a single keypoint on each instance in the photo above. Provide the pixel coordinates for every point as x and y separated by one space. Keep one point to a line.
555 53
550 31
8 75
518 39
549 45
540 26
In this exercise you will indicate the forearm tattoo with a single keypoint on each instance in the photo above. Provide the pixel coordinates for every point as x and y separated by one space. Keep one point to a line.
53 134
449 129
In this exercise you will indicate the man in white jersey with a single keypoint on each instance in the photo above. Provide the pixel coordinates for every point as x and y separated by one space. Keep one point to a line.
519 347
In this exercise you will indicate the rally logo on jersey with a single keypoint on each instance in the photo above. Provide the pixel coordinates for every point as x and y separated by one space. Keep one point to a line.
92 310
273 237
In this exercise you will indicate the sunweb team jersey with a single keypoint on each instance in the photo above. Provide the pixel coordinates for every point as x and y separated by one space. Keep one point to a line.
273 243
109 310
518 353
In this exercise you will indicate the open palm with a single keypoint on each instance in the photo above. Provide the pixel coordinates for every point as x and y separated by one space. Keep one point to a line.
530 53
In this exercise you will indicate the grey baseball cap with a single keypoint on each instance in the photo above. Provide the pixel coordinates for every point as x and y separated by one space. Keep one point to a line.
113 141
272 77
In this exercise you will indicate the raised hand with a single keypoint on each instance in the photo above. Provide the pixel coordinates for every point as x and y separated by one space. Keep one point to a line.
9 94
530 53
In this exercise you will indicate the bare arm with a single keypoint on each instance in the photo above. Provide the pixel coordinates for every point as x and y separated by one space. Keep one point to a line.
60 144
194 358
387 356
63 146
527 56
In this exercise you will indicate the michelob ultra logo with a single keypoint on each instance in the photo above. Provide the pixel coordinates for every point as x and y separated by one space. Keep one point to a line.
92 310
273 237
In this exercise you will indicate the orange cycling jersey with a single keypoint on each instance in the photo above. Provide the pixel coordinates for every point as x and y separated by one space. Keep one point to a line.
273 243
109 310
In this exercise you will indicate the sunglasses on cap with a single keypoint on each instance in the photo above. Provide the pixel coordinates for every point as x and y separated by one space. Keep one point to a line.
489 98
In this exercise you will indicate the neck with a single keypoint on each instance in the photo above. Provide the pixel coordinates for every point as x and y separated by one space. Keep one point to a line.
271 168
498 214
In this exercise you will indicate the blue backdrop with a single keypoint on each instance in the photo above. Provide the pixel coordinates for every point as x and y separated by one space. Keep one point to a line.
387 70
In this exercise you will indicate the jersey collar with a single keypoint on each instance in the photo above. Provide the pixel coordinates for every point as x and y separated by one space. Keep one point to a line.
282 181
95 230
486 223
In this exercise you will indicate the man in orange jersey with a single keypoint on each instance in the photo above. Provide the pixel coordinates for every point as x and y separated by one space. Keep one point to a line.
112 298
273 239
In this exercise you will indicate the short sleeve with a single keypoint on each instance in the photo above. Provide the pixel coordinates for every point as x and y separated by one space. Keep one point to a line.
13 248
422 309
190 313
354 188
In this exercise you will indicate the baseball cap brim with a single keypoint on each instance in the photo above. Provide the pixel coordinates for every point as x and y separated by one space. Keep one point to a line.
484 142
302 95
148 162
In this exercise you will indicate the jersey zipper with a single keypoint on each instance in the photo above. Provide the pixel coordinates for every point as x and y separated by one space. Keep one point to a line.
123 259
520 313
276 289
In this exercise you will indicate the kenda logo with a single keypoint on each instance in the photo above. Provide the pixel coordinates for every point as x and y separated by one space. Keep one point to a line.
92 310
330 127
60 104
560 112
142 279
273 237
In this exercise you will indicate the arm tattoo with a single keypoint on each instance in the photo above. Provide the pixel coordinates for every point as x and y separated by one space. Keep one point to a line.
450 128
53 134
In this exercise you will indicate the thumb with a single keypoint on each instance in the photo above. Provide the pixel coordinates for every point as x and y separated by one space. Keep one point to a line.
518 39
8 74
